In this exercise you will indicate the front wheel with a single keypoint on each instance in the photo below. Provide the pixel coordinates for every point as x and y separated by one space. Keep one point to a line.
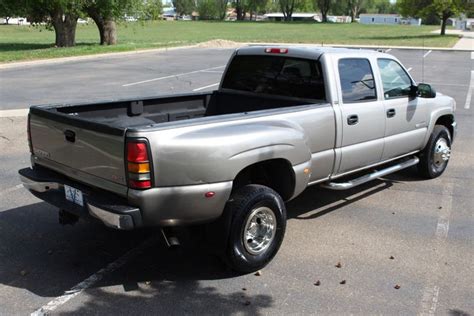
257 227
435 156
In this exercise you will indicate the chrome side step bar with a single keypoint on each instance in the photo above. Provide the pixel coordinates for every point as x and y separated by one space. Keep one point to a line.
372 176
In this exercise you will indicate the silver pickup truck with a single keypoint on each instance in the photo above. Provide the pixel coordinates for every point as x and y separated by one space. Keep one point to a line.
282 119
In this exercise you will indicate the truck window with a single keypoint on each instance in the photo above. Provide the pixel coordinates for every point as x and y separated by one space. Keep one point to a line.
396 82
276 75
357 80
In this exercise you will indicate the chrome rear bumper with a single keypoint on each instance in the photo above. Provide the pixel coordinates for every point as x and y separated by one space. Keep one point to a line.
108 208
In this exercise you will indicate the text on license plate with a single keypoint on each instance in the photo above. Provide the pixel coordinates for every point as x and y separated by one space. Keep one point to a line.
73 195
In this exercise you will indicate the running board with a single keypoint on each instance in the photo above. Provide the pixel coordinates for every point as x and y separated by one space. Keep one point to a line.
372 176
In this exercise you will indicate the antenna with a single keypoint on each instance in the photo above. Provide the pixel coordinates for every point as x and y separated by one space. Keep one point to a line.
423 61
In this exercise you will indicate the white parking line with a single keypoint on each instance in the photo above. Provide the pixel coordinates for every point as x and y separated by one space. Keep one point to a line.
467 105
430 298
430 301
409 69
388 50
170 76
14 113
448 84
96 277
205 87
472 55
213 71
427 53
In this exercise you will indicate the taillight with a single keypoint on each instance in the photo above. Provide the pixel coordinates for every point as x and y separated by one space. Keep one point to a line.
138 165
28 131
276 50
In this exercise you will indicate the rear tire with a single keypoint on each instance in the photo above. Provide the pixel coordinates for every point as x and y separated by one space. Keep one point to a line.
435 156
258 223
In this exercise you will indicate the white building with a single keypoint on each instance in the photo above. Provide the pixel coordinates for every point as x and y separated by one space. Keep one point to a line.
15 21
390 19
464 23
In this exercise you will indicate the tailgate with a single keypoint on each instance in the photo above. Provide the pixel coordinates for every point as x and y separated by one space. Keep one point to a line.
78 149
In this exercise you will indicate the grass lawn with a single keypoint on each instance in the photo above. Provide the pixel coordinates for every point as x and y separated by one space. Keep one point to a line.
28 43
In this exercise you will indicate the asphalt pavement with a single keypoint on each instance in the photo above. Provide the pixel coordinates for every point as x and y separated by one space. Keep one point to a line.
398 245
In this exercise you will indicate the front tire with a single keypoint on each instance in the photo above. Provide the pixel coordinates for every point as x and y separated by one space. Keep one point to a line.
435 156
257 227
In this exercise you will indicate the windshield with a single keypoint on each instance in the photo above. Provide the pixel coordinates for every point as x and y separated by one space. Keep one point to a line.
276 75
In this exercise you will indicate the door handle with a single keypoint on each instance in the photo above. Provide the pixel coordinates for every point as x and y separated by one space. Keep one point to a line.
352 119
391 113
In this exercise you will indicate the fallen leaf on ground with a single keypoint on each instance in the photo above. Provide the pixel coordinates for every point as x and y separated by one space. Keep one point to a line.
258 273
396 287
247 303
244 289
317 283
338 265
392 257
342 282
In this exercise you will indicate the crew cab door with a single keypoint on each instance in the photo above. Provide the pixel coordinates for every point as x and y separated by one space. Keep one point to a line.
363 116
407 117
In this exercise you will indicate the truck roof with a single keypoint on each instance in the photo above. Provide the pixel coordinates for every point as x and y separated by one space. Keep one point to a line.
306 51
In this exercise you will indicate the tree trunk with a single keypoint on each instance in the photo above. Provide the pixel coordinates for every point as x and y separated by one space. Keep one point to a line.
444 20
110 33
107 27
65 28
7 19
239 12
324 16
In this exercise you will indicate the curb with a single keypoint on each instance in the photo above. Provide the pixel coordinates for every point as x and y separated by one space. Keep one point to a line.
60 60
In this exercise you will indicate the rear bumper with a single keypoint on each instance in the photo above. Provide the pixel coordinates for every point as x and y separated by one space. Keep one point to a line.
163 206
110 209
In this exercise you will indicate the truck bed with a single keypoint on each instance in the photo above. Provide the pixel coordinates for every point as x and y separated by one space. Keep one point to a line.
123 114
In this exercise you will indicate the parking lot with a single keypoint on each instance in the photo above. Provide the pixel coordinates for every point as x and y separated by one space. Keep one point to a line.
405 245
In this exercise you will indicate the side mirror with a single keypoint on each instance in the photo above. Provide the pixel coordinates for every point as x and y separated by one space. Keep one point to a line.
426 91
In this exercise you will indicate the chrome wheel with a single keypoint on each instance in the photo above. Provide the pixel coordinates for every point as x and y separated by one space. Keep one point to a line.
259 230
441 154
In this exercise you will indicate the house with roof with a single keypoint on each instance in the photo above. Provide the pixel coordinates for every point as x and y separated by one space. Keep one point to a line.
389 19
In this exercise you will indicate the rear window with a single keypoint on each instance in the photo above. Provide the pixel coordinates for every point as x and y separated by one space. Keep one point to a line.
357 80
276 75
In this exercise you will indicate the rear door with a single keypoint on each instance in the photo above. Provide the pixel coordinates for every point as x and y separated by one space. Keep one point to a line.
363 116
407 118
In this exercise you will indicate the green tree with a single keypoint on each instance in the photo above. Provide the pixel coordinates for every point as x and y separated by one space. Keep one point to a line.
207 9
106 12
61 15
443 9
288 7
152 9
240 11
10 8
355 6
221 6
324 6
184 7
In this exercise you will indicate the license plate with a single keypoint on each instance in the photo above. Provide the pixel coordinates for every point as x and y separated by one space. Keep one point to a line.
73 195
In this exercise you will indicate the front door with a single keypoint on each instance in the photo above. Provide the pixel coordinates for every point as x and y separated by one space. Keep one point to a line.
407 117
